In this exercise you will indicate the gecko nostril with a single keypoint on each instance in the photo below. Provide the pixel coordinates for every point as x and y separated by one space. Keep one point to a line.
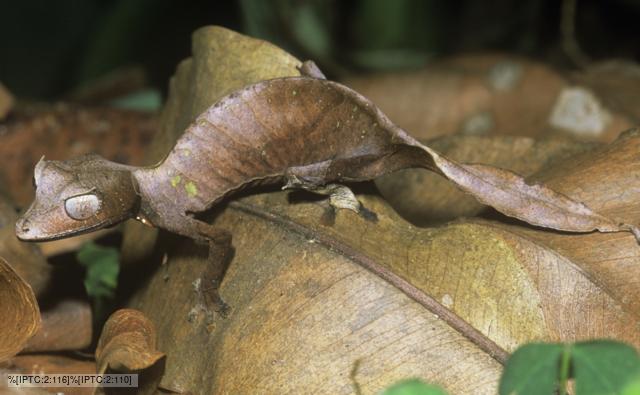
25 226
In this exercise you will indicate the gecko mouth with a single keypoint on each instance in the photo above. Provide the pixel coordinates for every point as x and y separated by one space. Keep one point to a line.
26 232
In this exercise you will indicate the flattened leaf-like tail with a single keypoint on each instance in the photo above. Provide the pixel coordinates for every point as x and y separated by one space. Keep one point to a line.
317 132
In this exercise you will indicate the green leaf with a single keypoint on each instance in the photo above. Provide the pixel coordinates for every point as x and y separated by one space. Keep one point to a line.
102 269
413 387
632 387
144 100
532 370
604 367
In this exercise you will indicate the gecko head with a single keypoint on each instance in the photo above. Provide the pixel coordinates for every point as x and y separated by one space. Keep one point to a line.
77 196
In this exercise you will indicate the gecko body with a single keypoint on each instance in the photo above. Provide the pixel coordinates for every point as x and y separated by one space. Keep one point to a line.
271 132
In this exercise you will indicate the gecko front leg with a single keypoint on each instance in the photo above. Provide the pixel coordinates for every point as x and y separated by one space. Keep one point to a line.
220 255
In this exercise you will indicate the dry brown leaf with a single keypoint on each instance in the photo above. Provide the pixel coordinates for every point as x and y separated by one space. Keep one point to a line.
424 198
65 326
470 94
311 298
127 343
305 309
492 93
607 179
617 86
20 317
48 364
191 368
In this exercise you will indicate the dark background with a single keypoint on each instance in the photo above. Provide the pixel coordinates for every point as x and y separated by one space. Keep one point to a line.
49 48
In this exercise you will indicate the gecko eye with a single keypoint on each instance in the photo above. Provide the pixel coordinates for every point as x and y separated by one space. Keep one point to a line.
82 206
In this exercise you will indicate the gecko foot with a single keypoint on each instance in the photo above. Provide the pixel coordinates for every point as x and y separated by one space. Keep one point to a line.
220 255
340 196
214 301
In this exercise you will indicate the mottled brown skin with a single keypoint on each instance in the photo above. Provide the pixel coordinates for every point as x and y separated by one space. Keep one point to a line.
305 131
236 143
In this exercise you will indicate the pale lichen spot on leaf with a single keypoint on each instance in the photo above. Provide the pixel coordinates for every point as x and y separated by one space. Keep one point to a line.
447 301
191 189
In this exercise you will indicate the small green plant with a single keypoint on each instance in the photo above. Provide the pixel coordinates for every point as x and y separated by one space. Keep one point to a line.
599 367
101 278
413 387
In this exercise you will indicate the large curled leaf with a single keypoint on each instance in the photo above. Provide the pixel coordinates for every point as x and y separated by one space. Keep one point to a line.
306 306
20 316
127 343
605 179
187 334
314 297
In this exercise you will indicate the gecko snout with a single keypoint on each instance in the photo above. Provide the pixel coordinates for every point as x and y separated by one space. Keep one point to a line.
23 229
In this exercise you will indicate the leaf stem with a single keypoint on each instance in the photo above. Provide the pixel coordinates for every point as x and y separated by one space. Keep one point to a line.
565 363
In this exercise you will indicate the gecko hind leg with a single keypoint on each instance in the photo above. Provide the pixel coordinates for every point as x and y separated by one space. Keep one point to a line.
340 196
311 178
